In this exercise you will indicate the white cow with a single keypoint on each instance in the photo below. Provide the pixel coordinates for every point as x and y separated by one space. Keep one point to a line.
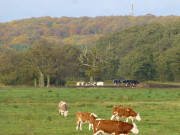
80 84
62 107
100 83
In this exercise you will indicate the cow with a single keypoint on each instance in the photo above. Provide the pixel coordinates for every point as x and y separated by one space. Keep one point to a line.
130 83
85 117
91 84
116 82
100 84
62 107
114 127
80 84
126 112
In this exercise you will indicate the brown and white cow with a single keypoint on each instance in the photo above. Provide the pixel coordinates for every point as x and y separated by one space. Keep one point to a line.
126 112
62 107
114 127
85 117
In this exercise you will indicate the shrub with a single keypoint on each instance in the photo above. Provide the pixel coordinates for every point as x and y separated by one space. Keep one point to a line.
142 85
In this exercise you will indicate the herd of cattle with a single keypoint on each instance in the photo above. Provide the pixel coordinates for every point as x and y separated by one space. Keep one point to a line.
130 83
116 82
90 84
102 126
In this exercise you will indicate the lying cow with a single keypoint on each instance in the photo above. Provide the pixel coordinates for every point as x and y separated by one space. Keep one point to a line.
114 127
85 117
62 107
126 112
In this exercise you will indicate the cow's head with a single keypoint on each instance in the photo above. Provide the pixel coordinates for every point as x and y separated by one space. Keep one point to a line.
93 117
138 117
66 113
135 129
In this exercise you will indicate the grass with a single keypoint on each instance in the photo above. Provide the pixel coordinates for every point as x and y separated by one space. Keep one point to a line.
33 111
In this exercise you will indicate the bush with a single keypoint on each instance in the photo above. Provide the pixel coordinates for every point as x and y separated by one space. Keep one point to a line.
71 83
142 85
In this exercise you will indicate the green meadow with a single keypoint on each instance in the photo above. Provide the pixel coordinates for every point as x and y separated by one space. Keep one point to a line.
33 111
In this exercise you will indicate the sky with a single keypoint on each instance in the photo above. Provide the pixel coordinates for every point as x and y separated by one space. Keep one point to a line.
22 9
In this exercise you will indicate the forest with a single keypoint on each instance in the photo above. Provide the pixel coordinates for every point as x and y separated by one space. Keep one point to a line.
46 51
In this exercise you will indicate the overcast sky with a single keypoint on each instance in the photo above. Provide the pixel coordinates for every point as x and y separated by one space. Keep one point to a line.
20 9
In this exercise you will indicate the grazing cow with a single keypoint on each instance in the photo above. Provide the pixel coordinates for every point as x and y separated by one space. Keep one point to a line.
62 107
130 83
85 117
126 112
100 84
114 127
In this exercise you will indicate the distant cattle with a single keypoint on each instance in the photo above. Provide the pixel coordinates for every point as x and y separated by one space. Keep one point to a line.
114 127
91 84
116 82
131 83
126 112
80 84
100 83
62 107
85 117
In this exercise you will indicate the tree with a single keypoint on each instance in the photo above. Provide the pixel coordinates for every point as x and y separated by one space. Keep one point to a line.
41 57
66 64
168 65
91 60
139 65
9 62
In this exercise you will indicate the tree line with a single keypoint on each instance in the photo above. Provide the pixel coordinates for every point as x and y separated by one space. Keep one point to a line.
144 52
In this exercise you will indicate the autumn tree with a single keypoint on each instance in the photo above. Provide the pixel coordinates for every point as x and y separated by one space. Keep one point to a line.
67 63
41 57
9 62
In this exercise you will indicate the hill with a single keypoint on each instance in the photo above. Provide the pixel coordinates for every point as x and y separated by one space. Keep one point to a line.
66 30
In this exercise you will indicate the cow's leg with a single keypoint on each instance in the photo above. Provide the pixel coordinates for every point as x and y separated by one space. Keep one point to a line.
132 120
113 116
98 132
126 119
77 124
59 112
92 127
89 126
80 126
117 118
62 112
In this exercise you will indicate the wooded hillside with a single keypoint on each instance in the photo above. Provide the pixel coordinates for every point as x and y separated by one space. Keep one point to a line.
141 48
65 30
146 52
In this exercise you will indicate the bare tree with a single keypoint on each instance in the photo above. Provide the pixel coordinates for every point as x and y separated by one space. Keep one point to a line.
91 60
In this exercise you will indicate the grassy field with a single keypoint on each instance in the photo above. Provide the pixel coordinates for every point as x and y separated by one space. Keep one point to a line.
33 111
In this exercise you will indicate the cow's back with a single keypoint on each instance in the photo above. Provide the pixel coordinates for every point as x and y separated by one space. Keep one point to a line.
120 111
124 111
130 112
84 116
112 126
62 106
